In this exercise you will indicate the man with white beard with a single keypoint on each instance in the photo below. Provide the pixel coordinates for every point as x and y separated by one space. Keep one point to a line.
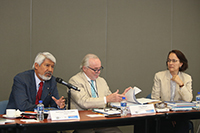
37 84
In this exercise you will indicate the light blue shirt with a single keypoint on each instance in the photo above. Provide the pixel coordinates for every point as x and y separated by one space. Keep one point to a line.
89 82
173 88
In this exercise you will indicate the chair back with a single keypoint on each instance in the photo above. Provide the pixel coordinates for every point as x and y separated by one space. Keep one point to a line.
149 96
3 105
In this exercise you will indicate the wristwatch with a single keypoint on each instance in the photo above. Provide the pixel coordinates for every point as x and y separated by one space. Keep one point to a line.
181 85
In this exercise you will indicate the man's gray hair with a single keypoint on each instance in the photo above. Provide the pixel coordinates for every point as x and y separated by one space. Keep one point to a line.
39 59
85 61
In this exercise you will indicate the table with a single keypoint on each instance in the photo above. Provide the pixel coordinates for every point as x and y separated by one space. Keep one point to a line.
84 123
88 122
8 128
139 121
182 115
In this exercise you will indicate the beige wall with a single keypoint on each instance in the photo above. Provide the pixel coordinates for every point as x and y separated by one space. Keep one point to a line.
132 38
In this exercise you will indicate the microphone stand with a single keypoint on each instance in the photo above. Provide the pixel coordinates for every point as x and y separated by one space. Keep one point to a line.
69 86
69 97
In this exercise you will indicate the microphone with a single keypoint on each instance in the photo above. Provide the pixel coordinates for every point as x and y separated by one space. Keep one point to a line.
59 80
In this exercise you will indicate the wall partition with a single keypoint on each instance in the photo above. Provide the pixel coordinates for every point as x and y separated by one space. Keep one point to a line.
131 37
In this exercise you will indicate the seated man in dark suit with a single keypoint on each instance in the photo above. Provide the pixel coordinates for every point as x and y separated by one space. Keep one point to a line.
38 84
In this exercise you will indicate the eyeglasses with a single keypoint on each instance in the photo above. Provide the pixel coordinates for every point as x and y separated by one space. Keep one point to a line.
110 109
96 70
173 60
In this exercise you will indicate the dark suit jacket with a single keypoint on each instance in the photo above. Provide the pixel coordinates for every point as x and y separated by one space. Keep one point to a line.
23 94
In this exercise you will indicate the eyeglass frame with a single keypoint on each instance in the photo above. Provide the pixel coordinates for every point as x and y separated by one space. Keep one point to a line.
96 70
111 109
173 60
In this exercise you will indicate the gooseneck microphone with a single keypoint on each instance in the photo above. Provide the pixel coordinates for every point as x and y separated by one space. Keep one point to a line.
59 80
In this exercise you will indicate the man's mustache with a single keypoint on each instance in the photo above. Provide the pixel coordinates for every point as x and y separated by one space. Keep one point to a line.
50 73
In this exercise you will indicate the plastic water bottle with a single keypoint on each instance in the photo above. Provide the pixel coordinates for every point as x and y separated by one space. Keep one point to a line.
123 107
198 100
40 111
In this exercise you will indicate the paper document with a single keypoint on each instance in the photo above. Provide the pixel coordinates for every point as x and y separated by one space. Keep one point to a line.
95 115
3 121
130 95
145 100
162 109
29 120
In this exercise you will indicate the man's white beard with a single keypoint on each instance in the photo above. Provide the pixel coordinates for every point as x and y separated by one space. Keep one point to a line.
44 77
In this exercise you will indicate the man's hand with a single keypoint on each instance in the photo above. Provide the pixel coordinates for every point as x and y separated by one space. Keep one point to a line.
115 97
126 90
60 102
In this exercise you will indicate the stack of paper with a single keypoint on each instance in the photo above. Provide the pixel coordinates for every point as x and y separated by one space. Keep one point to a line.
180 105
130 95
132 100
